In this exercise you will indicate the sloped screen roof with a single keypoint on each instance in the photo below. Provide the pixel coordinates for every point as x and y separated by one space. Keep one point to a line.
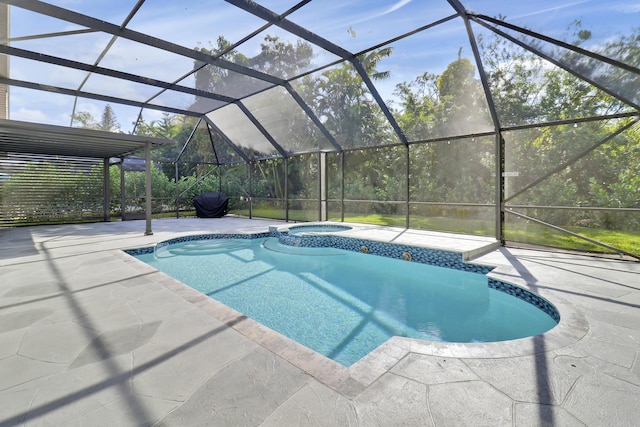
279 77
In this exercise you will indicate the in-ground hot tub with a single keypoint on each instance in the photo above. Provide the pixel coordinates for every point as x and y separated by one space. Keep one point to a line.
318 228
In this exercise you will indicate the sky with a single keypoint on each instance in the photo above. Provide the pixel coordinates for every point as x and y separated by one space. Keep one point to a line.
354 25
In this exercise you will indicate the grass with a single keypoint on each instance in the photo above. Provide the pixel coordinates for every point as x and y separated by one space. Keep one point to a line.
270 213
538 235
628 241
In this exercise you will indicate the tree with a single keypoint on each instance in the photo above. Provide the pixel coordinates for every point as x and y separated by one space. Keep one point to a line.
282 59
419 100
167 127
341 98
528 90
109 123
276 58
462 105
85 120
451 104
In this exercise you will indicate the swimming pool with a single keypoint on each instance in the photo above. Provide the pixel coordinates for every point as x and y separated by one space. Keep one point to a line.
343 304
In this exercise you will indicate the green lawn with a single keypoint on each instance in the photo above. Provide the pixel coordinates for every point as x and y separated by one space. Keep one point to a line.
539 235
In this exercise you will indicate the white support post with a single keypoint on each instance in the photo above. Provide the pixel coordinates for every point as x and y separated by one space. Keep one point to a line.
322 176
107 190
123 202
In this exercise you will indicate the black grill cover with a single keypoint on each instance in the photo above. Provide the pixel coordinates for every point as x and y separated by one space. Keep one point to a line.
211 205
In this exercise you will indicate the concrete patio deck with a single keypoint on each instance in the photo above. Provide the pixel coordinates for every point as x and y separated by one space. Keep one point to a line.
90 336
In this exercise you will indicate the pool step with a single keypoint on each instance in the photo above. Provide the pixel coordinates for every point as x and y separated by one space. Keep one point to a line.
274 245
202 247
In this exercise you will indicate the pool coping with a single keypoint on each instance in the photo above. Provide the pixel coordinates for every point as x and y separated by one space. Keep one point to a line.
350 381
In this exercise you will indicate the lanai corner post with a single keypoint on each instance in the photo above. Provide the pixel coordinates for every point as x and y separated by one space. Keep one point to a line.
147 159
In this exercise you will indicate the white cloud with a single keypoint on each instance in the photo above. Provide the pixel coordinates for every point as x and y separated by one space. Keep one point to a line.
384 12
39 116
627 8
550 9
398 5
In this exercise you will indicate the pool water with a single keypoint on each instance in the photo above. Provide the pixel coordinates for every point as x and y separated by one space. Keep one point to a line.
345 304
318 228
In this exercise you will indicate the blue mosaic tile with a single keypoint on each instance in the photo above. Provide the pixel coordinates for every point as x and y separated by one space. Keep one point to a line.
139 251
527 296
391 250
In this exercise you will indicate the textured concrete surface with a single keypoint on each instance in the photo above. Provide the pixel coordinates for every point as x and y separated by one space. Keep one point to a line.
90 336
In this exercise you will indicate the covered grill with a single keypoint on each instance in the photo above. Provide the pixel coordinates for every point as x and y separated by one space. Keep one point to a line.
211 205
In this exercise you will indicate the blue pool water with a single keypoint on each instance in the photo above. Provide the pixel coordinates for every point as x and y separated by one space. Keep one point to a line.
345 304
318 228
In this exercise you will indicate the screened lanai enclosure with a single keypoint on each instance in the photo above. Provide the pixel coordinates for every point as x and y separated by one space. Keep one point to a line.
513 119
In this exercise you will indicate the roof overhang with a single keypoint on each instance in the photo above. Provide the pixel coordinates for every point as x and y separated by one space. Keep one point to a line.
35 138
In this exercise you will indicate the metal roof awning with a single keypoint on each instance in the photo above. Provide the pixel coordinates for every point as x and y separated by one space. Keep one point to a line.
24 137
